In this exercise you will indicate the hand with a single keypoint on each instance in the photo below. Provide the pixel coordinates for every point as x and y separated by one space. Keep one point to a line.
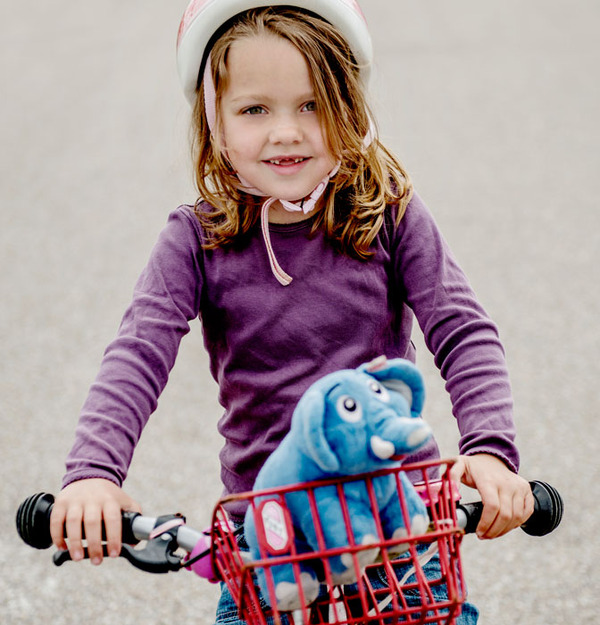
88 503
507 499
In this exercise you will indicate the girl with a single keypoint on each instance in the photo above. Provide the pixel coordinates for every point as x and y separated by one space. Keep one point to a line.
308 252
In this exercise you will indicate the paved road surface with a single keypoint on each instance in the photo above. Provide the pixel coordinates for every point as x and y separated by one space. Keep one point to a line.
493 106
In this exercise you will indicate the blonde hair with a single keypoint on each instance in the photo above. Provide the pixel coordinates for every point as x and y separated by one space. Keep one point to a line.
369 177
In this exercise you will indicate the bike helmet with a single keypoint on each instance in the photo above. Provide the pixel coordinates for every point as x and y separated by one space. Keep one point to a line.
203 18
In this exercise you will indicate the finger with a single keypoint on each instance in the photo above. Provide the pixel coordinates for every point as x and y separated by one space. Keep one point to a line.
57 526
73 525
524 507
92 523
497 509
529 504
491 507
133 506
504 519
113 526
514 509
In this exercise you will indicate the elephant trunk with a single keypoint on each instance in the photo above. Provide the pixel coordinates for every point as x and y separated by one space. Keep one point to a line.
399 435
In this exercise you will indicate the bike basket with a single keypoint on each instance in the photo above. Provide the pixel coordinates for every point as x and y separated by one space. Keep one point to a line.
389 583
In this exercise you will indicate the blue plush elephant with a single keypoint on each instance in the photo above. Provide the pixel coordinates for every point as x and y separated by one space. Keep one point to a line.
348 422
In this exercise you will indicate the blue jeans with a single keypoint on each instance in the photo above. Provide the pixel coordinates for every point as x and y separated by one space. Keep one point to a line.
227 613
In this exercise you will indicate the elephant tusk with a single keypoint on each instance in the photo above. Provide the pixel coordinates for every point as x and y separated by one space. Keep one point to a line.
381 448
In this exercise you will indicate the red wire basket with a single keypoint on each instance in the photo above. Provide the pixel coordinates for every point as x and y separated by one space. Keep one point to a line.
394 589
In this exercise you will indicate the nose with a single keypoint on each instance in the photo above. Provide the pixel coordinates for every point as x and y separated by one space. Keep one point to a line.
286 130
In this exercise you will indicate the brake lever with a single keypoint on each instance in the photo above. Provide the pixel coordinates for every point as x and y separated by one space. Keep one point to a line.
158 556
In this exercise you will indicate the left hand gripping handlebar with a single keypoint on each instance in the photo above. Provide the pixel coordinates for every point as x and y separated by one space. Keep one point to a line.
165 535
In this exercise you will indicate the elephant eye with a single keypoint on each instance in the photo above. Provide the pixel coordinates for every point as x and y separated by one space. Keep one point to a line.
380 391
349 409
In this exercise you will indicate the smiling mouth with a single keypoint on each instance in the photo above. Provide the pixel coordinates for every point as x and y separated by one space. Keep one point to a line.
287 161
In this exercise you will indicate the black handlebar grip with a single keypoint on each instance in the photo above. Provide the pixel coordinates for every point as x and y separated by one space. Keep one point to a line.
33 522
546 516
547 512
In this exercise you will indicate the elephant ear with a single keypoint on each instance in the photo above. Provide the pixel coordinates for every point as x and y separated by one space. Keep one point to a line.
309 418
402 376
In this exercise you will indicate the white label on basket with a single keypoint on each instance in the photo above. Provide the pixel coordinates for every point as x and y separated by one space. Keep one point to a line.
276 532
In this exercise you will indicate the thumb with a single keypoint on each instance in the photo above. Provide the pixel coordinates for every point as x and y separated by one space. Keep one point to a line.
458 469
129 504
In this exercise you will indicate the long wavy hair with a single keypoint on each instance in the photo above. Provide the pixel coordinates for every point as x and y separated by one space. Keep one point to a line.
370 177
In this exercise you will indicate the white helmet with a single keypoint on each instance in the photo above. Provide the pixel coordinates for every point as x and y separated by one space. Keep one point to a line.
203 18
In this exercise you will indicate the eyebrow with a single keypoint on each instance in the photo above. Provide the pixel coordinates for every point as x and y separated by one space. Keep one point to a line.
336 385
307 97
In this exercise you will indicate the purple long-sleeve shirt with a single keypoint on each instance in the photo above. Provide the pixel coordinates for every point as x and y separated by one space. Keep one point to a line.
267 343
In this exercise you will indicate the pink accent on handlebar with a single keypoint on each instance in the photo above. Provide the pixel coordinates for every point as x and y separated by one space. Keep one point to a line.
202 567
165 527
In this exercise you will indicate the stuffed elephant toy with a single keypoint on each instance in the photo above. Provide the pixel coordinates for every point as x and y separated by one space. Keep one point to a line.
348 422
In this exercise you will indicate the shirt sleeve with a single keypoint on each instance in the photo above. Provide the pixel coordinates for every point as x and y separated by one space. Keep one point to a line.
137 363
462 338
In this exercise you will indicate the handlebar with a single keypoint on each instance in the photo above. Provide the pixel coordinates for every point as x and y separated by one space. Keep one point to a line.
168 534
547 511
165 535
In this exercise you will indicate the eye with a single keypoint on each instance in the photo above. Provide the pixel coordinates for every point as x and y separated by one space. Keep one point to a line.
380 391
349 409
310 107
254 110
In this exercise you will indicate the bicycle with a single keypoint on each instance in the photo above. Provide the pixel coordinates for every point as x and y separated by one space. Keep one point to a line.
382 592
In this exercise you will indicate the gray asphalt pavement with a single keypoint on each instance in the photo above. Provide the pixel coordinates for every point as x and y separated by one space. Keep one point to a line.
492 106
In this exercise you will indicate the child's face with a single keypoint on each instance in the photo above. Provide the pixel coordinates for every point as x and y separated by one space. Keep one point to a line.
271 131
